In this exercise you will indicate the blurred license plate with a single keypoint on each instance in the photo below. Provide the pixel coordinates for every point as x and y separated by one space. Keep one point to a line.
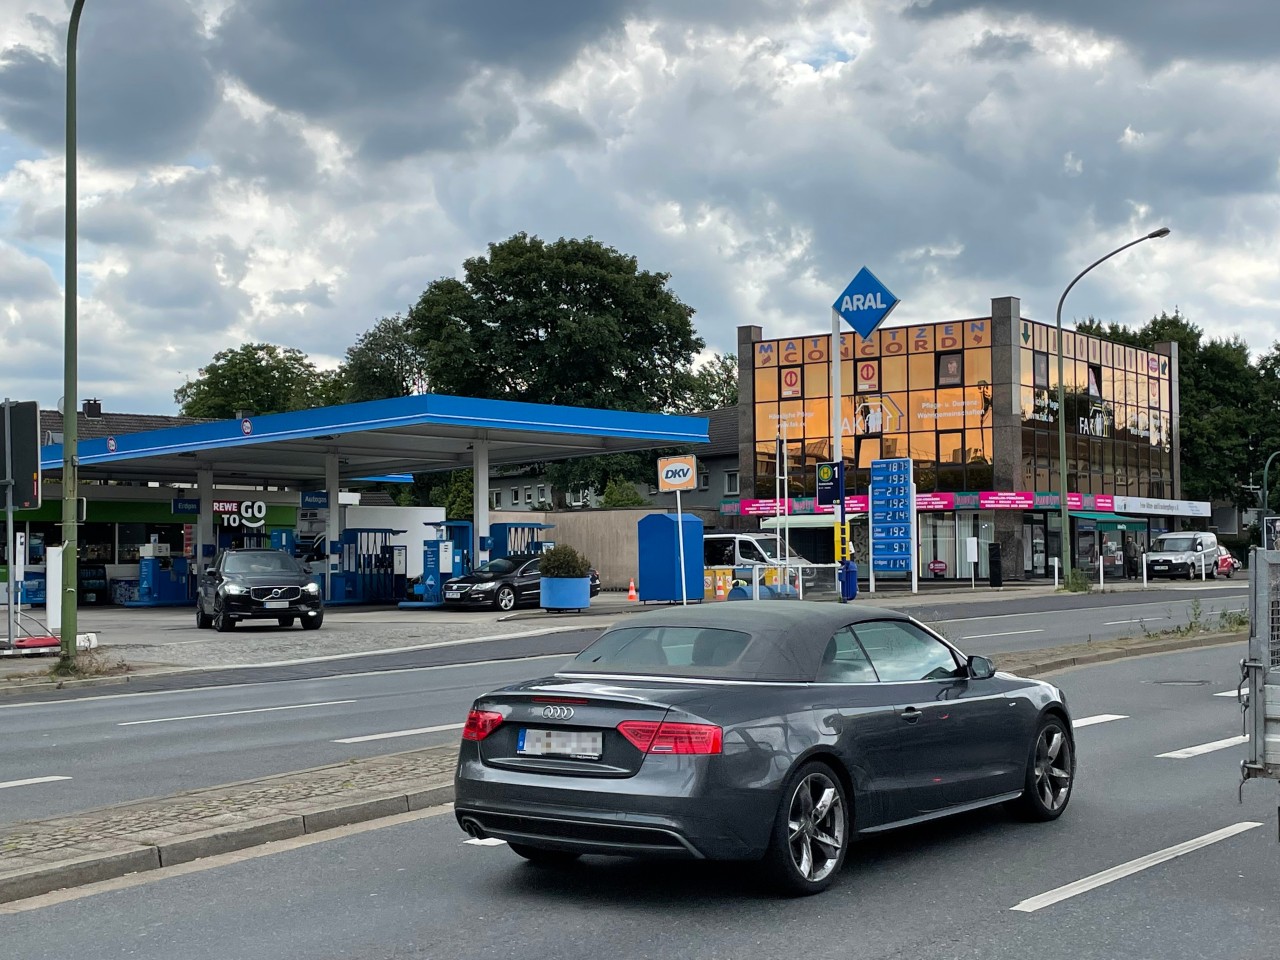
1160 566
276 604
561 743
452 595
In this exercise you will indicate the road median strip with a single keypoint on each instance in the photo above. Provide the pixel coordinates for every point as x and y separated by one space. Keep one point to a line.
42 856
39 857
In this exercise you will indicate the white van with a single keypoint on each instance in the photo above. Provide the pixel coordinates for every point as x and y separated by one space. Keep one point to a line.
755 549
1183 555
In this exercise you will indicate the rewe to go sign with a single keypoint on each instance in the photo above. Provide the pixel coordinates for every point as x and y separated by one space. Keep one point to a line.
678 473
237 513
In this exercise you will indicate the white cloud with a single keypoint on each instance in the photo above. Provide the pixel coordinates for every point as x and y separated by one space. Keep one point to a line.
758 151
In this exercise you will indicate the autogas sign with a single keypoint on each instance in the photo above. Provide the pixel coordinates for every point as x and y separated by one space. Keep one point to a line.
241 513
678 473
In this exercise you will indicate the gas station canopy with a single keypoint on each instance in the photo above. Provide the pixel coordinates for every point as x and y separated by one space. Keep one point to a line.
377 440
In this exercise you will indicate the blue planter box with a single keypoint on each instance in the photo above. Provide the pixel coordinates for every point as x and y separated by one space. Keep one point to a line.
566 594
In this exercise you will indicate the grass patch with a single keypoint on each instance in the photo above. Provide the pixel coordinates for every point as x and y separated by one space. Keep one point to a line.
87 664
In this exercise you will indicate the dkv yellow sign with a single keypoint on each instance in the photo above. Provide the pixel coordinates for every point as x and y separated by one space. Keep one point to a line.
678 473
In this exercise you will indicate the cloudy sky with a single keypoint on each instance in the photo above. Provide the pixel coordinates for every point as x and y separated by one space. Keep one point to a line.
291 170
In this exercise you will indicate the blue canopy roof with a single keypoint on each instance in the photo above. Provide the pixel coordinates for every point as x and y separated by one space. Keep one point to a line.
380 438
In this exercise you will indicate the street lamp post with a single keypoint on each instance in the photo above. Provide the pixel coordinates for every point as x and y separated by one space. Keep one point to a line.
70 387
1062 401
1266 490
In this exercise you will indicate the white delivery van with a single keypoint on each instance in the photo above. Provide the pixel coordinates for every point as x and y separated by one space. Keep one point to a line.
755 549
1183 555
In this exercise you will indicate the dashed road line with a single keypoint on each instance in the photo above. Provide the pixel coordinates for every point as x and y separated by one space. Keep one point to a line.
234 713
30 782
1011 633
1200 749
401 733
1057 895
1100 718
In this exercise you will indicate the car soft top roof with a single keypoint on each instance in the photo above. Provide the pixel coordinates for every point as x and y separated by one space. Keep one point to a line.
788 636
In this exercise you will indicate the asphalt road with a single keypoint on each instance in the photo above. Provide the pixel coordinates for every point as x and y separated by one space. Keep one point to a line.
975 886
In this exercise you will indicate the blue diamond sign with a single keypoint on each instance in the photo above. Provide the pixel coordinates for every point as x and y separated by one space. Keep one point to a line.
865 303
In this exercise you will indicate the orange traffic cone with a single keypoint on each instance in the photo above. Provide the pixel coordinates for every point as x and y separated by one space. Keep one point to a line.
719 588
631 591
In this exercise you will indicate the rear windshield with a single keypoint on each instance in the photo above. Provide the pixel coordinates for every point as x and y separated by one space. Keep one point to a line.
672 651
1175 544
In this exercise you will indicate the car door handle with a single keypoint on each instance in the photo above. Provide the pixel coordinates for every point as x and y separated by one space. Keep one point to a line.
911 714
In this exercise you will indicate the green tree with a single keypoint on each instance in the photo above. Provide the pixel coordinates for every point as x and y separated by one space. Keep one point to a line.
384 363
620 493
712 385
260 378
572 322
453 491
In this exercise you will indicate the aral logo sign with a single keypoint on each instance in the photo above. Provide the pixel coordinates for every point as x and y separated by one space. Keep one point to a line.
678 473
241 513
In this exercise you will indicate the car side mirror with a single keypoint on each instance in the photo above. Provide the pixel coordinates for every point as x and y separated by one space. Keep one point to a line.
980 668
1199 544
306 568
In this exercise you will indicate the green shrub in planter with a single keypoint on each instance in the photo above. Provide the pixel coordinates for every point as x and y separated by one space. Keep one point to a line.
564 562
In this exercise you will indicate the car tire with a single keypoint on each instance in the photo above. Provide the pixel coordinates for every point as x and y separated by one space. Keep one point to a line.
812 822
285 622
1051 776
1231 574
505 599
312 623
222 621
543 857
203 620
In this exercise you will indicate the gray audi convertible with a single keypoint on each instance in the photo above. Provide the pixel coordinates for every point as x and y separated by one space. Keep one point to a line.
757 730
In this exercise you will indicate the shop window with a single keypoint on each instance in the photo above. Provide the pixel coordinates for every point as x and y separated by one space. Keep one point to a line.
951 448
97 543
766 383
977 365
951 369
920 372
1093 380
1040 370
893 374
731 483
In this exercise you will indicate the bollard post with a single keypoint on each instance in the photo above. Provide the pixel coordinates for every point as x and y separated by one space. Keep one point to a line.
1144 572
1101 566
1055 573
1202 568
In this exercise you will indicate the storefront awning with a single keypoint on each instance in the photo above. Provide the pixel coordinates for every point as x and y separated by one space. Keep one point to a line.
1110 518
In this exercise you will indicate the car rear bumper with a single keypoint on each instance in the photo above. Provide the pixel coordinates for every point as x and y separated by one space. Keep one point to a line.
662 812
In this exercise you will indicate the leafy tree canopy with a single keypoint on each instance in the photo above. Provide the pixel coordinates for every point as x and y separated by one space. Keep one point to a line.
712 385
261 378
383 363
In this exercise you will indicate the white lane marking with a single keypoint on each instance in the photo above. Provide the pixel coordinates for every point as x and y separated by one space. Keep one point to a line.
485 842
401 733
1100 718
235 713
1116 623
1059 894
30 782
267 683
1189 752
1227 693
1011 633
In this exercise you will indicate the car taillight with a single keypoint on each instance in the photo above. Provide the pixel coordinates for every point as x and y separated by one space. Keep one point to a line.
650 736
480 723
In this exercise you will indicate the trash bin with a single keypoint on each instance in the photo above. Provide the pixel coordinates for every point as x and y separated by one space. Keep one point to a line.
995 566
848 577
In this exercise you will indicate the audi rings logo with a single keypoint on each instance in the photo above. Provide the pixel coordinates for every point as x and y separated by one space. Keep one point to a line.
557 713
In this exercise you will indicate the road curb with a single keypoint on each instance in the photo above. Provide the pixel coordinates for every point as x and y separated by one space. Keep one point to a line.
1051 664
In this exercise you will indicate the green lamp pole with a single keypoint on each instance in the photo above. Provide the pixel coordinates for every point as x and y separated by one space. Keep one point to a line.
70 387
1062 400
1266 490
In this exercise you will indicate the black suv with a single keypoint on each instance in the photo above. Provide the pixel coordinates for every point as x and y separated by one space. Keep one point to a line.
257 585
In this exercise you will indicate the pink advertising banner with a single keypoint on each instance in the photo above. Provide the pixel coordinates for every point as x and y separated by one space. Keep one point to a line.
1006 500
984 500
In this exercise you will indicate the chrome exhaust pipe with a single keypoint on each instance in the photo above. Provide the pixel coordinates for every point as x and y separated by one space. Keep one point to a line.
473 828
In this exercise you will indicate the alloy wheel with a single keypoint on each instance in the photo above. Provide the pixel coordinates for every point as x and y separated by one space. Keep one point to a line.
1053 768
815 827
506 599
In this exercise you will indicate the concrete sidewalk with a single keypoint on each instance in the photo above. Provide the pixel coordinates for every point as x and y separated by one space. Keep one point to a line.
42 856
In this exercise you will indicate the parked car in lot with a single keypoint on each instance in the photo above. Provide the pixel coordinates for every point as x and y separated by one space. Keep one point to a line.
244 584
505 583
757 730
1227 563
